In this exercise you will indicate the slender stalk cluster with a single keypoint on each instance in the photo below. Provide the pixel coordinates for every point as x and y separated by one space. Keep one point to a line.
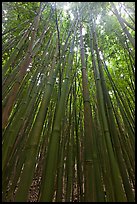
68 103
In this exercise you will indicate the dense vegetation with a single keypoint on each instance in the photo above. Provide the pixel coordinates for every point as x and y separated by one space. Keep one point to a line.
68 82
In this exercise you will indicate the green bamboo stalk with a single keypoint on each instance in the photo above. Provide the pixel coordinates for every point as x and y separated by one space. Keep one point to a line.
36 131
30 108
122 25
21 73
79 170
69 160
114 134
126 153
128 24
90 189
54 143
51 163
119 192
15 51
59 190
108 184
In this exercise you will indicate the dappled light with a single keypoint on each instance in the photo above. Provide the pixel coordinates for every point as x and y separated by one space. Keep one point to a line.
68 102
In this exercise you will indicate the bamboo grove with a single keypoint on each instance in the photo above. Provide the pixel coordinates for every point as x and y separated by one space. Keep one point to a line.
68 84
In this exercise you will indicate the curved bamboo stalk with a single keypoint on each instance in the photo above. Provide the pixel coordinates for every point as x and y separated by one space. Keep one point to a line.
122 25
22 70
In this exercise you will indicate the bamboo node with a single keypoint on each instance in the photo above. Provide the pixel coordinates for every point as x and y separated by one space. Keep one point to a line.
124 27
86 101
83 68
89 161
49 83
105 131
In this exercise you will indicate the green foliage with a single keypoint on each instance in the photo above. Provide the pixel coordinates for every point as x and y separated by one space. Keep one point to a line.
49 126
